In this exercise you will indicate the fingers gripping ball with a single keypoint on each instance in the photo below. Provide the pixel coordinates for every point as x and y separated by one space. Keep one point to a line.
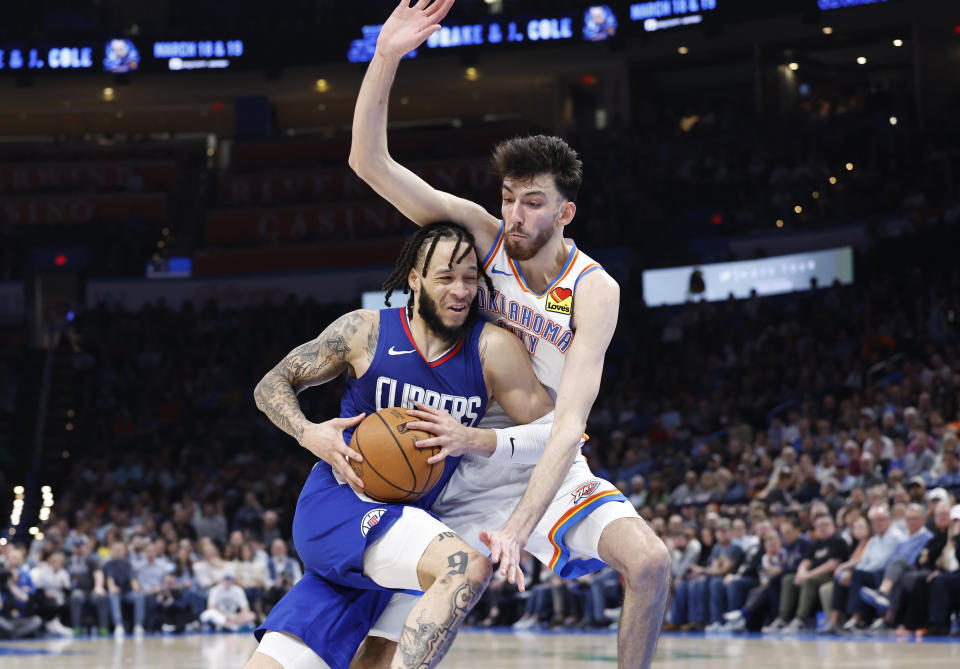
393 468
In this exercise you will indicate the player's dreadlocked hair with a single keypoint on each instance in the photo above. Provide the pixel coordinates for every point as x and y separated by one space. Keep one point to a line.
418 250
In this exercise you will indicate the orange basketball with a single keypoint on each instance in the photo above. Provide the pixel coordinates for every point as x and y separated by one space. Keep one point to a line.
393 468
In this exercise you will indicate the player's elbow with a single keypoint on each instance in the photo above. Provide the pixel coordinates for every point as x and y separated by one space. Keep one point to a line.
364 165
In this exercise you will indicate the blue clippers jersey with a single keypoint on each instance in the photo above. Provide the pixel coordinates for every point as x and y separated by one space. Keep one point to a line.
399 376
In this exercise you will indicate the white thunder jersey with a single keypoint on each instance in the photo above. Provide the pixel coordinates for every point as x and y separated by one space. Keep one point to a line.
543 321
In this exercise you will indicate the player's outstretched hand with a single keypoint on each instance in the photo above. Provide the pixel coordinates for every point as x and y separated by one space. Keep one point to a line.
325 440
505 547
409 27
453 437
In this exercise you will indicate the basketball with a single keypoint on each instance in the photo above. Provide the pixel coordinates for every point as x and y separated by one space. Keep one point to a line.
393 468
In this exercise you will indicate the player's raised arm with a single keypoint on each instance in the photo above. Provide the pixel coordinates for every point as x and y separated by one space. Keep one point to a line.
349 342
406 29
595 319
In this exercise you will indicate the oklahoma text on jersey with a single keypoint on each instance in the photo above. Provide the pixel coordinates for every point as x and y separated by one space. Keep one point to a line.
522 321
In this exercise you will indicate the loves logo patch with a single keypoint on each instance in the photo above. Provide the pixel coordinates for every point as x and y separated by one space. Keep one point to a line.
371 520
560 301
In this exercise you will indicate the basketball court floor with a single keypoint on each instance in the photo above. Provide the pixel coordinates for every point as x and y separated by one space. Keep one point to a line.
487 649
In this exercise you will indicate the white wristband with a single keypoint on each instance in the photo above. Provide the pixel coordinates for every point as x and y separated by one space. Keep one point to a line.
523 444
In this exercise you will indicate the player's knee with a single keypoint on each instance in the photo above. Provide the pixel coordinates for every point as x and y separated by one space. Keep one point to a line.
643 558
479 570
261 661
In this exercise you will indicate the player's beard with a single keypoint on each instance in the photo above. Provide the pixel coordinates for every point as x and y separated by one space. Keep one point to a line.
427 309
532 246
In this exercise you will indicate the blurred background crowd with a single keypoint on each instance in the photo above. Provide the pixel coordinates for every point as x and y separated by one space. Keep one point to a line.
797 453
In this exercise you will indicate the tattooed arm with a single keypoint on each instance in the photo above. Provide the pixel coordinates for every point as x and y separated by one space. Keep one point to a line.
349 343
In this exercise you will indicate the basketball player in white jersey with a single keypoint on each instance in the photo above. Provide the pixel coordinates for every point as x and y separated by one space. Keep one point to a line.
566 516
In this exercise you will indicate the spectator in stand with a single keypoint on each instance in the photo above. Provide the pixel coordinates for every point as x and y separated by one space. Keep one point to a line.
868 477
833 594
869 570
271 530
686 490
827 551
149 575
707 599
920 458
950 479
52 582
738 584
250 515
18 600
227 606
211 523
945 580
88 586
903 593
251 576
638 491
174 613
776 492
123 588
282 573
765 596
208 571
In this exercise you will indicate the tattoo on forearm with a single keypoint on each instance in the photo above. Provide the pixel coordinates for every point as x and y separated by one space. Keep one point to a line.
446 535
425 645
457 563
276 398
308 364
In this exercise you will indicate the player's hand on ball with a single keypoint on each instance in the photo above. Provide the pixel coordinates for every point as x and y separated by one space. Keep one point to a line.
452 437
505 547
325 440
409 27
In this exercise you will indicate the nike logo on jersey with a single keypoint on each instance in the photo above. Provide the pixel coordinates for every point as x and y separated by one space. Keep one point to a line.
394 351
512 447
497 271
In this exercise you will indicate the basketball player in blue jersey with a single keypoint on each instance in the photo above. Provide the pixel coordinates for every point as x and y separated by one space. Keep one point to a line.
356 549
564 308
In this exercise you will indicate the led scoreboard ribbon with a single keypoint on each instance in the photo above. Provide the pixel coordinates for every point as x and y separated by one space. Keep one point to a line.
53 58
534 30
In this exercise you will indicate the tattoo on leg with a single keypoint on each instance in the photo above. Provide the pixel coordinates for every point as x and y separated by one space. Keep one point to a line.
424 646
457 563
446 535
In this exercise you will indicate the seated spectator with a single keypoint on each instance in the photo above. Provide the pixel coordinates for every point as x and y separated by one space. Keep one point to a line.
282 573
638 491
210 522
765 596
208 571
122 587
227 606
251 576
869 570
174 613
945 580
910 568
89 586
746 577
826 552
951 469
704 596
52 582
149 575
777 491
833 594
18 596
902 564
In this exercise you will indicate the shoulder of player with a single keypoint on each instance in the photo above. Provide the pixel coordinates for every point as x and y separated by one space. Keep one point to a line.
497 347
596 299
597 283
